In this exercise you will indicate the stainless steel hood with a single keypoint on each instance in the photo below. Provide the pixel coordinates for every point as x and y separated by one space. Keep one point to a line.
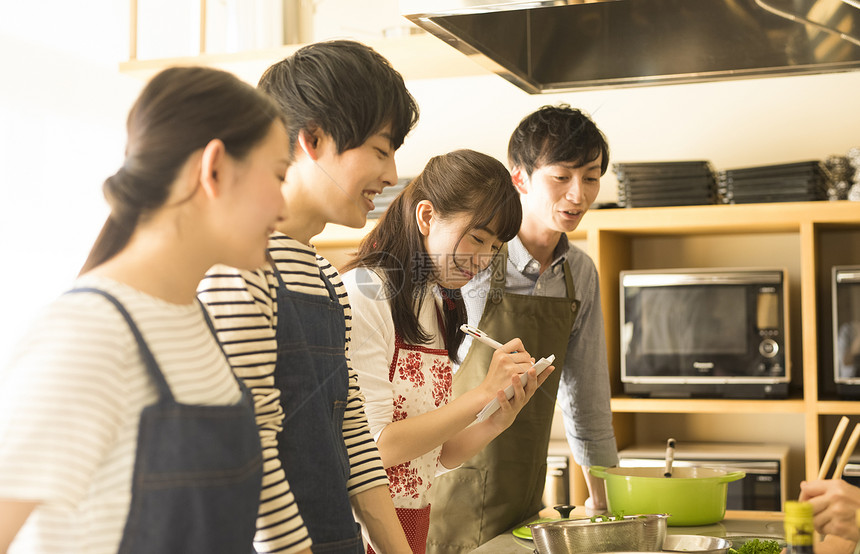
562 45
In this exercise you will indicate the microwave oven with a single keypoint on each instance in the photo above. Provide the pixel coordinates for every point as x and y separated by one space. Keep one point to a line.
764 487
846 330
705 332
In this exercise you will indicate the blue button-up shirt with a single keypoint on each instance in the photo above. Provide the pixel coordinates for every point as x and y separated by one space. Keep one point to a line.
583 393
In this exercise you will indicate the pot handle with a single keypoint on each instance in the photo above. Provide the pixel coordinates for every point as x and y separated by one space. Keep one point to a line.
598 471
733 476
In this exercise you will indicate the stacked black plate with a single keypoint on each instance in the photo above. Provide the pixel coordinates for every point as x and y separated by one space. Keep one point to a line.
383 199
792 182
665 184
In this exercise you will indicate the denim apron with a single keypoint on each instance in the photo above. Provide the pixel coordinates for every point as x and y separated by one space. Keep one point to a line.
502 485
197 473
313 378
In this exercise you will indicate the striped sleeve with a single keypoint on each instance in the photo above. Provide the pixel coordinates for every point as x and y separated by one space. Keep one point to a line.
366 469
242 305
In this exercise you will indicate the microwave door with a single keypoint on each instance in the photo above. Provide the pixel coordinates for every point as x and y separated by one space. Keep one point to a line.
688 331
707 333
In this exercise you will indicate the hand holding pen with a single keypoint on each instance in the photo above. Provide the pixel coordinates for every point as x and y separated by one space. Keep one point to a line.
538 366
481 336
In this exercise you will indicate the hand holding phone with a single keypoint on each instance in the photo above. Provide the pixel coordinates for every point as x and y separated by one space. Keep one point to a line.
493 404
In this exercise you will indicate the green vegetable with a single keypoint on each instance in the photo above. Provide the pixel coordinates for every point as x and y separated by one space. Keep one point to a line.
616 516
756 546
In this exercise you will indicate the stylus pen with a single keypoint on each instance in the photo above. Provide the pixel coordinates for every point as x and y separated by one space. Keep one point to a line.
481 336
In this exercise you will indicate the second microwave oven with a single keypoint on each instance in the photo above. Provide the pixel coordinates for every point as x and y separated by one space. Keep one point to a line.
846 330
705 332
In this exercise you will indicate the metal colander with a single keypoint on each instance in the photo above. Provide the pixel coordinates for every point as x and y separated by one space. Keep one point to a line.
643 533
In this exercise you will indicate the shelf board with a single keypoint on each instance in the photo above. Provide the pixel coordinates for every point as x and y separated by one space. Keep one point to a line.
420 56
706 405
838 407
724 219
742 218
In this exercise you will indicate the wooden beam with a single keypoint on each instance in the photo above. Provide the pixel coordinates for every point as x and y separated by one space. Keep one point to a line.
202 26
132 30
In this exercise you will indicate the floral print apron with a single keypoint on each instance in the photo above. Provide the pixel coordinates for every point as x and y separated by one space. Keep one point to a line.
422 380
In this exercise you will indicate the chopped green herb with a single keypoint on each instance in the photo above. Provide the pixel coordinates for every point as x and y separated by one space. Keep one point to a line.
756 546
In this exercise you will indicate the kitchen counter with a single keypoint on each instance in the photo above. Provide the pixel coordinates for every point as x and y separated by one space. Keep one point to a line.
759 524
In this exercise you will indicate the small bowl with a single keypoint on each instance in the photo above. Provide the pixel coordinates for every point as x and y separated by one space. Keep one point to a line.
699 544
643 533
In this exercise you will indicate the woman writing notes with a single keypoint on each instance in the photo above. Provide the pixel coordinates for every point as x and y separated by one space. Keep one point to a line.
444 227
120 385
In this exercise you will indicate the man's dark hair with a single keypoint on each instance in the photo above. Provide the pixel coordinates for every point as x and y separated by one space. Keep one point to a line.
557 134
343 88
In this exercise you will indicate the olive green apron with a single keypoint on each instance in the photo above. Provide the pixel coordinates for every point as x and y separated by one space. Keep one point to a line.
503 484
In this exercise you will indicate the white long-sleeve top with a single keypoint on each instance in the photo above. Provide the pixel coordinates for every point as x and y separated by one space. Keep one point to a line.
373 341
399 384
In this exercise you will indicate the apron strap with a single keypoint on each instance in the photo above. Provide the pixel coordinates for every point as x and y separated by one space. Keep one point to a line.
498 273
571 288
440 320
281 285
145 353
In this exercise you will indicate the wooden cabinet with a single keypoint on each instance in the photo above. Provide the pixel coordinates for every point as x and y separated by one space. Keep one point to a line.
807 238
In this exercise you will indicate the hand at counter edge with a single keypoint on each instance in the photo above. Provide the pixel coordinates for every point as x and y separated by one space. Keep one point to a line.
835 503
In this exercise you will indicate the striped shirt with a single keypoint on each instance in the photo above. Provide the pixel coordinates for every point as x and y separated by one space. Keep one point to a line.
244 307
71 396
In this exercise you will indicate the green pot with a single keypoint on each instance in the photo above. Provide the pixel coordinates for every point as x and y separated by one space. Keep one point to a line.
692 496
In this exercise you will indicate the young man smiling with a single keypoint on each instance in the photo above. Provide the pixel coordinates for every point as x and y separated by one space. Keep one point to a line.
286 327
544 290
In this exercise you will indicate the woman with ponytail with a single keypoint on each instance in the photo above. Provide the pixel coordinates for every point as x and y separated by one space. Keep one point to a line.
403 285
123 428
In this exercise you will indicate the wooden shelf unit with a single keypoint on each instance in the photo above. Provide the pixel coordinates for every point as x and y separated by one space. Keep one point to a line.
792 235
808 238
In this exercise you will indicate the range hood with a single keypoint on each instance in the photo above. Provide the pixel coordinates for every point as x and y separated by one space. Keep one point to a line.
563 45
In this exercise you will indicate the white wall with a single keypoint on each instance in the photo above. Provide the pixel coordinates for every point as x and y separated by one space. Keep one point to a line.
730 123
63 107
62 132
